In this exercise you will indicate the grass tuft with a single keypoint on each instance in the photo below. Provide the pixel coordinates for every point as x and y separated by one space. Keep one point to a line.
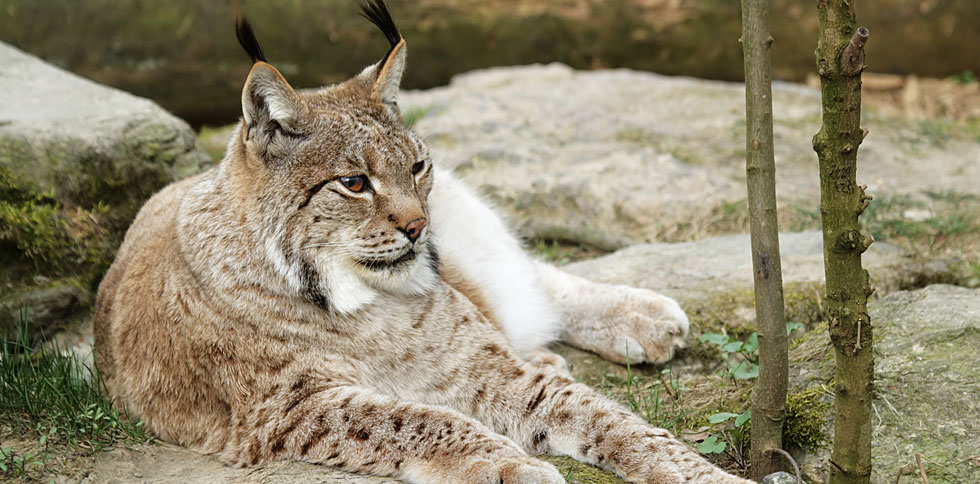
412 115
50 396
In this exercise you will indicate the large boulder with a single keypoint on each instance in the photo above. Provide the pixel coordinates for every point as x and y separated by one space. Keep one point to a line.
77 160
612 157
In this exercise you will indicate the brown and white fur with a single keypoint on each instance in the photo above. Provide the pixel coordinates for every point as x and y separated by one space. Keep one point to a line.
275 307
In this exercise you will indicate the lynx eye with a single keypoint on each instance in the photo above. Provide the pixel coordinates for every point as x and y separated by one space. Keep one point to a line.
417 167
355 183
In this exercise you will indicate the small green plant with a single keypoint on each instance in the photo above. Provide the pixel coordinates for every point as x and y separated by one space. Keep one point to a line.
17 465
731 434
656 400
711 445
742 361
964 77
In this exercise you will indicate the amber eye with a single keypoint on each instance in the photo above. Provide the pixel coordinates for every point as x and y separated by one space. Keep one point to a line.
355 183
416 168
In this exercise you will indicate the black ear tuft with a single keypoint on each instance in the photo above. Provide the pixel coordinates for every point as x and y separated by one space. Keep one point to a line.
247 38
378 14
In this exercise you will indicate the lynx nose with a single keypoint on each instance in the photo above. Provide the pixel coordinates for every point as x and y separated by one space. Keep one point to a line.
414 229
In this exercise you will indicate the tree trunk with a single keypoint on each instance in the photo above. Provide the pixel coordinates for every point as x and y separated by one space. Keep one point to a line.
769 394
840 60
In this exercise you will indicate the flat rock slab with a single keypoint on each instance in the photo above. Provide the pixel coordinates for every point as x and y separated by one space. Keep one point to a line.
616 156
927 383
168 464
701 273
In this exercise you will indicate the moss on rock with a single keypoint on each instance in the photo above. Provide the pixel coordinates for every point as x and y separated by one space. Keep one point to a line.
77 161
806 417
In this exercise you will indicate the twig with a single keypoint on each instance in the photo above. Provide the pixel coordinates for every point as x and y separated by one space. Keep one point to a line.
922 471
852 59
796 467
885 399
901 470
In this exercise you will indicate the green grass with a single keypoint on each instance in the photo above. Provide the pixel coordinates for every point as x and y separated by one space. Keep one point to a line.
932 223
47 396
413 115
658 403
560 253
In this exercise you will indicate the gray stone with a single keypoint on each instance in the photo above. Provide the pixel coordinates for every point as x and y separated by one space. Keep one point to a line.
48 309
77 161
86 142
779 478
716 273
926 384
611 157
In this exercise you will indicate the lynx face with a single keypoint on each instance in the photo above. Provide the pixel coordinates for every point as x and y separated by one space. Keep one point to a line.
344 201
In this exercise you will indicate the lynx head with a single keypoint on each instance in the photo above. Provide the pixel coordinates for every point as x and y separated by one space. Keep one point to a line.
338 184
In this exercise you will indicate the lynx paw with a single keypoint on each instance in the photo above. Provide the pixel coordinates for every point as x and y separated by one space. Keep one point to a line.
545 357
514 470
633 323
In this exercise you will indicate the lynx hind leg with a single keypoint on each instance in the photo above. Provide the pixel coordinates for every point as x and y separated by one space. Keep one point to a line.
356 430
484 261
615 321
548 412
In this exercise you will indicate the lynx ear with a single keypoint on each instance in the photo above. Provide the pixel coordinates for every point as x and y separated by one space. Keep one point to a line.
269 103
387 73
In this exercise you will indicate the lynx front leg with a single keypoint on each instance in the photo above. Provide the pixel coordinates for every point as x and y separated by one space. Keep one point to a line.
615 320
357 430
534 302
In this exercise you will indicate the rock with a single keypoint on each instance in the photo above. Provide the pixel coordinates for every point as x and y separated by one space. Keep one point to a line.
712 278
88 143
169 464
926 374
77 160
926 382
611 157
779 478
49 310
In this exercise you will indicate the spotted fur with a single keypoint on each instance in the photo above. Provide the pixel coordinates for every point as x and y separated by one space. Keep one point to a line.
265 310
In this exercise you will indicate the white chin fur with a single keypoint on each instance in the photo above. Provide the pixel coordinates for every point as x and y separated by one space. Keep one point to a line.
416 279
346 291
351 286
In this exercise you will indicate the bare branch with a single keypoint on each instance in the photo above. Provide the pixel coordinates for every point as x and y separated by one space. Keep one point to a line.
796 467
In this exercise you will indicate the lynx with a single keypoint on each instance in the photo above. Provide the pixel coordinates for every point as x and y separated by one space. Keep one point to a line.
327 294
